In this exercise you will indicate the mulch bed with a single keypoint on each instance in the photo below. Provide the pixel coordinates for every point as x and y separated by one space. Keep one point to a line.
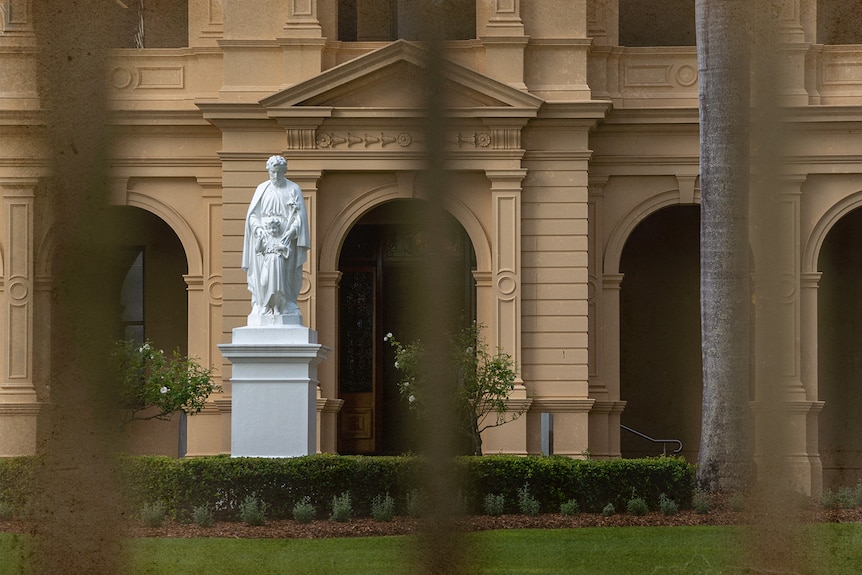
362 527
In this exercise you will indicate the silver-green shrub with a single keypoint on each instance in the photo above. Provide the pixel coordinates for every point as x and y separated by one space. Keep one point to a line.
667 506
637 506
153 514
527 504
202 516
494 504
304 511
342 508
570 507
252 511
383 508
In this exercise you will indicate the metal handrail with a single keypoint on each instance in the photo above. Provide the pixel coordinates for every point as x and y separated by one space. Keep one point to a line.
664 442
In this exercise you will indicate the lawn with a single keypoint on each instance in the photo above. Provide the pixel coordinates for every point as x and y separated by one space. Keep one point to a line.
832 548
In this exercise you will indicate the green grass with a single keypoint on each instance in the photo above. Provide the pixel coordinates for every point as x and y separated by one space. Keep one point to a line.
830 548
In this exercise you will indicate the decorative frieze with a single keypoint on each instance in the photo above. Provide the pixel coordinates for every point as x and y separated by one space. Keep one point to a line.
496 139
366 140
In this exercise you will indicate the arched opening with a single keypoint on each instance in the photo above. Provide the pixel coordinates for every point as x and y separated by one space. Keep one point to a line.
380 263
840 352
660 354
389 20
151 303
838 21
657 23
152 23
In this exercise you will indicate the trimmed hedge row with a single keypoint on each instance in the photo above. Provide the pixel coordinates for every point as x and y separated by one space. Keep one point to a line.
222 482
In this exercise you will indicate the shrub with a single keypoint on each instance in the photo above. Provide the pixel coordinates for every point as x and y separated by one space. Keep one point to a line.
202 516
223 482
527 504
494 504
702 504
737 502
594 483
570 507
7 511
417 503
608 510
383 508
252 511
637 506
153 514
304 511
342 508
667 506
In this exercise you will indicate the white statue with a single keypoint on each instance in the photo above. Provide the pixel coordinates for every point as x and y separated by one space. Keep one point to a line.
274 248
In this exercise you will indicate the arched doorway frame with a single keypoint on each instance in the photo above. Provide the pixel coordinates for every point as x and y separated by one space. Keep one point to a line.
609 408
208 431
810 280
404 186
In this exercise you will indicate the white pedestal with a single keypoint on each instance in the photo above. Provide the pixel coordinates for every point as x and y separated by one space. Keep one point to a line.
274 390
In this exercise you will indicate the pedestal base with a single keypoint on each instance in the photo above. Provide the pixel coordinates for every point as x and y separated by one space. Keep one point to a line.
274 390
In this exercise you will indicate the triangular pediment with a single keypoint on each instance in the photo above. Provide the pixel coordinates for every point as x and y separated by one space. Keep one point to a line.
395 77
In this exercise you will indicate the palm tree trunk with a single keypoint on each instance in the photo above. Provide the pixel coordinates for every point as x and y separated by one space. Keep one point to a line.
723 76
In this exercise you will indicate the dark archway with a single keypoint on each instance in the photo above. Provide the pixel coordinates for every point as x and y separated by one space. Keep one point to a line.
151 303
380 265
661 371
840 352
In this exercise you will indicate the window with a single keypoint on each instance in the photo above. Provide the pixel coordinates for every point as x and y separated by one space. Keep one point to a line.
153 23
132 298
657 23
838 21
388 20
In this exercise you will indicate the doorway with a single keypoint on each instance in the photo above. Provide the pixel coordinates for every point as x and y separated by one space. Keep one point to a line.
840 353
660 353
381 263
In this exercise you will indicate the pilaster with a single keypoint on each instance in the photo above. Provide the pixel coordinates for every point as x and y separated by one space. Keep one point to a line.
506 264
19 403
206 22
504 41
16 356
327 320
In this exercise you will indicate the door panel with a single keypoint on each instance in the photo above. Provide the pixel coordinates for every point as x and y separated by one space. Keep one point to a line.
356 360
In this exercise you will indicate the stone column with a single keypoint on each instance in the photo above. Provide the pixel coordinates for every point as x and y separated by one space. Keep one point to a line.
308 181
603 337
808 369
502 34
19 405
506 312
783 407
328 405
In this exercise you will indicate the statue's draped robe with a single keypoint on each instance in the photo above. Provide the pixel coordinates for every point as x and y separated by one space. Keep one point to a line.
273 259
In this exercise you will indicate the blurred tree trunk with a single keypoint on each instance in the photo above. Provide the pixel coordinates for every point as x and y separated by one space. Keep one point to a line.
723 28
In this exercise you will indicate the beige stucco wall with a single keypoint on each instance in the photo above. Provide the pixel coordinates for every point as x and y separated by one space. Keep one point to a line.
562 143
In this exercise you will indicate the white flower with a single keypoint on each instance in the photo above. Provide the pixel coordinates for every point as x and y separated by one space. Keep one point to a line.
396 364
411 399
163 390
406 384
469 350
388 336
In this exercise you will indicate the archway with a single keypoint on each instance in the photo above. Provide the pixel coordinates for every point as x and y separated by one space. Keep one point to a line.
840 352
660 357
380 261
151 303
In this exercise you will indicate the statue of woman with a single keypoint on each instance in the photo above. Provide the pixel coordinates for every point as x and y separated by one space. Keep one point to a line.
275 247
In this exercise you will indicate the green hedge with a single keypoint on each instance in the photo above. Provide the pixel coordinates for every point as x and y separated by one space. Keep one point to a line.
18 481
222 483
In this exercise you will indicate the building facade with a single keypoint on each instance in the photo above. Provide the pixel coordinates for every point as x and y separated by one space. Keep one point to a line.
572 158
